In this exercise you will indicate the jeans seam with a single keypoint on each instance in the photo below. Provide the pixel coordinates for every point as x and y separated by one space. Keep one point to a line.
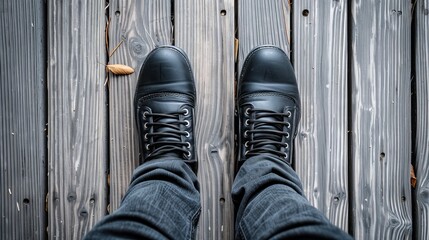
243 233
194 223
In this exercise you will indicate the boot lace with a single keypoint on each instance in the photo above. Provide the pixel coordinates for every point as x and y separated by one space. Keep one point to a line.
165 134
270 132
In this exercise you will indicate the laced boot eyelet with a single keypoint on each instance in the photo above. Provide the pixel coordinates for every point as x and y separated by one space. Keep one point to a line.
187 134
247 112
245 153
145 125
246 133
246 144
287 135
188 156
147 146
285 156
145 137
287 146
187 123
288 125
188 145
186 112
288 114
246 123
144 114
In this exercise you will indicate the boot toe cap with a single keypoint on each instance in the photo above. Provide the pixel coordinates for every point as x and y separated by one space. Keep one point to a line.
166 69
268 69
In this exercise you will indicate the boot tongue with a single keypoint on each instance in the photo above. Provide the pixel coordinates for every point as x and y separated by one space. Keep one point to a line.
272 104
268 136
168 107
166 129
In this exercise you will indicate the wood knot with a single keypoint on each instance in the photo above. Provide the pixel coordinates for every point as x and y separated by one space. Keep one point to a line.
83 213
71 197
423 196
137 48
397 12
339 197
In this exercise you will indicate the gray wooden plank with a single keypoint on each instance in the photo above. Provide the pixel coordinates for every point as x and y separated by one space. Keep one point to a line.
381 121
77 141
262 22
141 26
422 123
205 30
320 62
22 120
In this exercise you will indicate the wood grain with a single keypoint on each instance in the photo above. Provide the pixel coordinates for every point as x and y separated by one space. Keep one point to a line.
140 26
77 117
205 30
422 132
262 22
320 62
381 121
22 120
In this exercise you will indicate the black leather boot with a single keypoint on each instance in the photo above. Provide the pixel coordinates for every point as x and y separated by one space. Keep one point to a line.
268 105
164 107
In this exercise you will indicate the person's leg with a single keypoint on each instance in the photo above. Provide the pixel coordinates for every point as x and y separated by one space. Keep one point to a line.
267 192
271 204
163 200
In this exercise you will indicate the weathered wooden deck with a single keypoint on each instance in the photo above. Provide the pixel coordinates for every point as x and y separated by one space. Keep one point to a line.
68 140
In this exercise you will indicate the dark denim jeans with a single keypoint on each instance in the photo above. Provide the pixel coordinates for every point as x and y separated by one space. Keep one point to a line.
163 202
